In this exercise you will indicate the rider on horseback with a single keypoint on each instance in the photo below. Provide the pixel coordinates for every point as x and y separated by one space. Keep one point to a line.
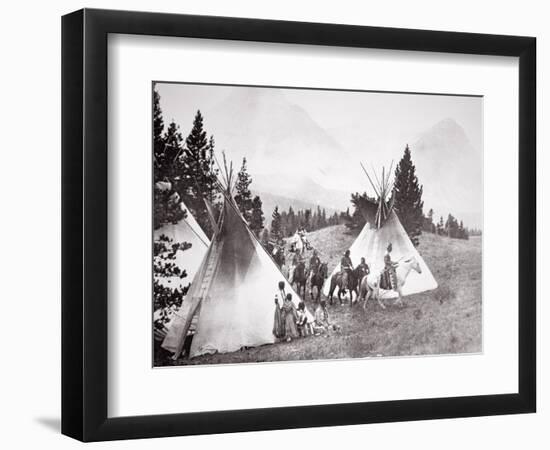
346 267
314 263
345 263
303 236
390 274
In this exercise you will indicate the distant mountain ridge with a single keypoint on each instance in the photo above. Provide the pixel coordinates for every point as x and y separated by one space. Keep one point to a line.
451 185
289 156
276 136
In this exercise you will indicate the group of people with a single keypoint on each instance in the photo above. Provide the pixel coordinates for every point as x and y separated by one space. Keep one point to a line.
291 322
389 274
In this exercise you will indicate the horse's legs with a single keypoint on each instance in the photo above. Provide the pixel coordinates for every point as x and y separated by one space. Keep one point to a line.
400 297
367 296
378 297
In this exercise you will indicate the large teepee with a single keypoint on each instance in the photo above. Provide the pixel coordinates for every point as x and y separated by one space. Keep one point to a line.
384 227
232 295
186 230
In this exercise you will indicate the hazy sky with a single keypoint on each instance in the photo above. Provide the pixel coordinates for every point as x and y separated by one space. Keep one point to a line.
350 117
371 127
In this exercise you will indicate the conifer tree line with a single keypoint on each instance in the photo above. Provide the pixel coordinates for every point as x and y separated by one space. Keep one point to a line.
451 227
407 201
185 169
285 223
189 166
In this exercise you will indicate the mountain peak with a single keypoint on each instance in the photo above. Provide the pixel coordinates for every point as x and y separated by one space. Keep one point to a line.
445 134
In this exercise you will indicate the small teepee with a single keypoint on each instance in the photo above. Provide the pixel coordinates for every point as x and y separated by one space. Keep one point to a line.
231 298
186 230
383 227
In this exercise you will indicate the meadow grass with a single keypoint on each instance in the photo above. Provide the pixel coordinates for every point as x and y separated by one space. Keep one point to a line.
443 321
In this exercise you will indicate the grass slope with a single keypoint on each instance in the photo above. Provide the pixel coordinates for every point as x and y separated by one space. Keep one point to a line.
446 320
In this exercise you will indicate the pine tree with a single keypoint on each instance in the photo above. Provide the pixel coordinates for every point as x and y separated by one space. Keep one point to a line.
408 197
243 196
265 238
197 174
307 219
365 208
257 216
429 226
440 226
166 146
158 139
451 227
165 267
292 224
276 224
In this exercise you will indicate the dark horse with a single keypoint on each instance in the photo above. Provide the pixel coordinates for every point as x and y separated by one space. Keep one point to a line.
300 278
344 281
318 279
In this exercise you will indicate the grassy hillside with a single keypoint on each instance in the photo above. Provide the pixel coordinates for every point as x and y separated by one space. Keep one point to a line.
446 320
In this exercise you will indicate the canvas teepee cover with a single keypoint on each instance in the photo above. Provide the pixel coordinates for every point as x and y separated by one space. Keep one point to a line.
232 293
186 230
373 240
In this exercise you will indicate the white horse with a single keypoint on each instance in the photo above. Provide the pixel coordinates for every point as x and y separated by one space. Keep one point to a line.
299 243
370 284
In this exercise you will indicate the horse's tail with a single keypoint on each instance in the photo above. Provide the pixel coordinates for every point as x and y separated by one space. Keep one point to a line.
333 283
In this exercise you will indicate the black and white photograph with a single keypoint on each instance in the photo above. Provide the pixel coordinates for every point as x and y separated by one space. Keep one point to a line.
314 224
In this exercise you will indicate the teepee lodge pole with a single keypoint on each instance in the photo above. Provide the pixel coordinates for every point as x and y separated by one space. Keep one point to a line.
371 183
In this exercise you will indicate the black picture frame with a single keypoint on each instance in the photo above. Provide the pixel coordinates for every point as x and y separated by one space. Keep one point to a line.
84 224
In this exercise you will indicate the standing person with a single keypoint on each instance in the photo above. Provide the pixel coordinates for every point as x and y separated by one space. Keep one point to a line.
389 268
290 317
314 263
363 268
280 295
278 323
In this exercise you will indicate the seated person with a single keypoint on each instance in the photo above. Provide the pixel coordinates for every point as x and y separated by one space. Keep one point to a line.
301 322
321 324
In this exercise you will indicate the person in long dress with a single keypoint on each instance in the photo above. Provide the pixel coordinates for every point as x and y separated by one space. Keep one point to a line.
290 317
278 323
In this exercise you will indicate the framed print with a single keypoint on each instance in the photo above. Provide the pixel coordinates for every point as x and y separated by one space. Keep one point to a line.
337 221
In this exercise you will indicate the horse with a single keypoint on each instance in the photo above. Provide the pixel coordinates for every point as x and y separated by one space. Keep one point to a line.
318 279
370 285
299 244
300 278
345 280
